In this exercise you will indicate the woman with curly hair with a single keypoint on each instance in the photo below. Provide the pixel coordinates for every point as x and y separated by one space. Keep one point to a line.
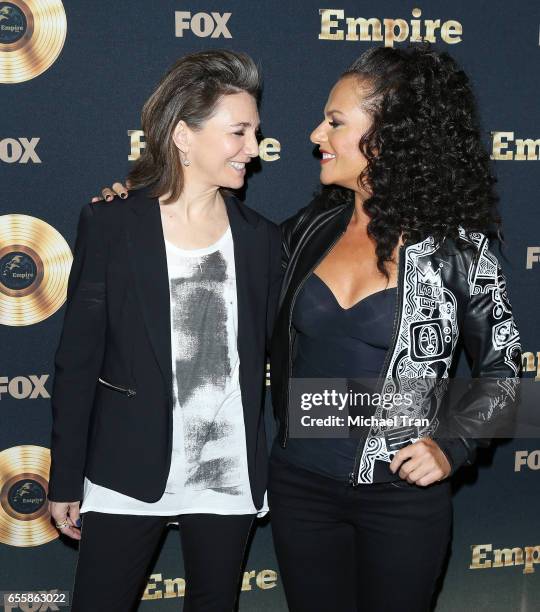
383 272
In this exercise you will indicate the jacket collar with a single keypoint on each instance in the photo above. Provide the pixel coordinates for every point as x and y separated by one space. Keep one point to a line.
313 239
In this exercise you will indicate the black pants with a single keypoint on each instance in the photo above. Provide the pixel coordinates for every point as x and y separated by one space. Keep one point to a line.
371 548
116 550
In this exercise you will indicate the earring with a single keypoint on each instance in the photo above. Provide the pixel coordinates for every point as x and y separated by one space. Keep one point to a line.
185 161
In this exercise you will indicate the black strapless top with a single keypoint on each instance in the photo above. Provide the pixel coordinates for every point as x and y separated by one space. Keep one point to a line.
336 342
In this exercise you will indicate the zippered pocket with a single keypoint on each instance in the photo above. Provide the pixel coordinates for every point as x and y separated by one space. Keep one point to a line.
128 392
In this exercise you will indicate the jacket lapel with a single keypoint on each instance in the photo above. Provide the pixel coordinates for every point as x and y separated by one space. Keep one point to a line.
248 271
315 241
148 259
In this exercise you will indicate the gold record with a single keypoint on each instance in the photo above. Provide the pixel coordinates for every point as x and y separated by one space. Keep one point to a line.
32 34
24 509
35 261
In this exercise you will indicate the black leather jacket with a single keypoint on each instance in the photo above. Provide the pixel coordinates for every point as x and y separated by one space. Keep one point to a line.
443 293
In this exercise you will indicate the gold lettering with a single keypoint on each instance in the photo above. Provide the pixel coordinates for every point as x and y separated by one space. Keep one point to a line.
531 364
246 581
364 25
266 579
390 35
395 30
431 26
269 149
504 557
451 32
532 556
479 558
531 146
171 591
327 23
416 23
528 361
151 585
137 144
499 145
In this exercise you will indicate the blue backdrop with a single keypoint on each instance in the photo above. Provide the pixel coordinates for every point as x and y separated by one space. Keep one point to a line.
70 124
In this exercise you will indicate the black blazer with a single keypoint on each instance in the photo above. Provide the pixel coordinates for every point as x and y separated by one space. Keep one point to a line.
113 392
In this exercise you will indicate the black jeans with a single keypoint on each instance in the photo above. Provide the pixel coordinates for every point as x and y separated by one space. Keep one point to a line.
116 550
370 548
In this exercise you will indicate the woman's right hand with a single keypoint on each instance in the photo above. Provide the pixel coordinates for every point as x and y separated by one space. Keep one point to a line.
62 512
108 193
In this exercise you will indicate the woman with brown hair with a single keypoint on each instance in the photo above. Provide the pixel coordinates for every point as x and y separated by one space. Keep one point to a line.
160 369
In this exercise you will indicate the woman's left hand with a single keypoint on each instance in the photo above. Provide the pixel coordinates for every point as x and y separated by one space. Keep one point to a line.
421 463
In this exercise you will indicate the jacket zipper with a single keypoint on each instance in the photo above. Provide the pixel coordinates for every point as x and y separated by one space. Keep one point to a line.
128 392
353 476
300 285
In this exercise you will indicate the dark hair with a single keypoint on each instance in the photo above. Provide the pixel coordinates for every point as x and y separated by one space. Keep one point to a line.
191 90
427 170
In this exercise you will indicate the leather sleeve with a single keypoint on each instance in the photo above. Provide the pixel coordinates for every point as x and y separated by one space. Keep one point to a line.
289 231
78 360
491 339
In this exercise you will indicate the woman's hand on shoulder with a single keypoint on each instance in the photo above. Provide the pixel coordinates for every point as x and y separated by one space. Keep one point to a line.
67 518
421 463
109 193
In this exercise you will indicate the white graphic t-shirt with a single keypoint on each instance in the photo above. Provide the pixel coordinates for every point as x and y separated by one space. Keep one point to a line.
209 472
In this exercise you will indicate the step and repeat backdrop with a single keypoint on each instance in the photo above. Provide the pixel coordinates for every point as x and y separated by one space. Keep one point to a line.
73 78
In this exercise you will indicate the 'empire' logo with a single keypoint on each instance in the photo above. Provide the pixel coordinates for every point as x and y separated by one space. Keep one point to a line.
176 587
389 30
526 149
269 148
505 557
531 363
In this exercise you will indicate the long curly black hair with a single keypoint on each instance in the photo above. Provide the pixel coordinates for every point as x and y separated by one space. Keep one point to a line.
427 170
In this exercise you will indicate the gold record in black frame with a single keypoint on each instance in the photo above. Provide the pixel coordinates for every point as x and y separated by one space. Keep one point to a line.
24 510
32 35
35 261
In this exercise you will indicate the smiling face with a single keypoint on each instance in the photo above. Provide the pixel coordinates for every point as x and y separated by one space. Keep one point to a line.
220 150
338 135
